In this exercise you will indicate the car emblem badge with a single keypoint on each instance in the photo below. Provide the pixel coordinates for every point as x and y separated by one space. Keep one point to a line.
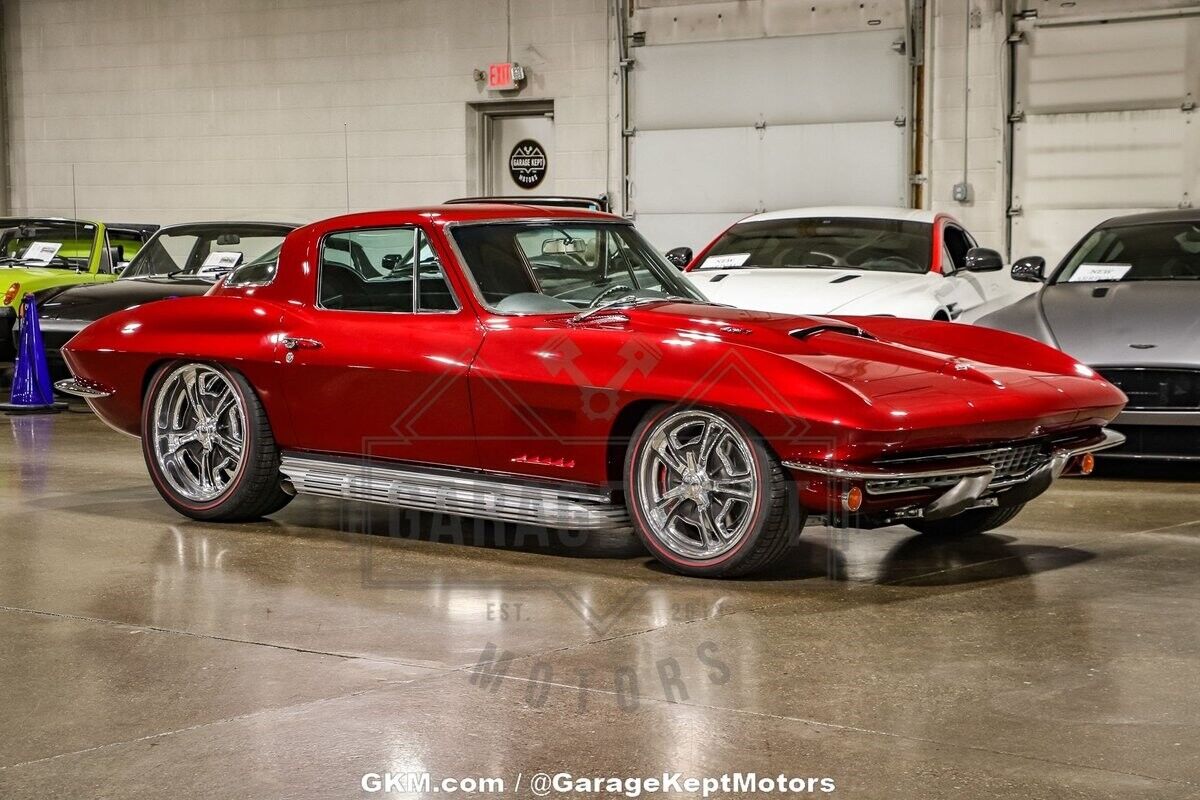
1143 346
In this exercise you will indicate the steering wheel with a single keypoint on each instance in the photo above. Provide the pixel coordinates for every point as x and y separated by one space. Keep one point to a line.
833 260
617 287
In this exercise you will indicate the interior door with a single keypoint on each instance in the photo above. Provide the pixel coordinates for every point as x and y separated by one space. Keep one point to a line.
513 149
379 366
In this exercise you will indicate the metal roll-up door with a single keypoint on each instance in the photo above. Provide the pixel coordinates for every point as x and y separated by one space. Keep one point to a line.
725 129
1103 125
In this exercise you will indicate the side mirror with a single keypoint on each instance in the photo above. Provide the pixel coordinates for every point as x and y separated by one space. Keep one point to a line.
981 259
680 256
1031 269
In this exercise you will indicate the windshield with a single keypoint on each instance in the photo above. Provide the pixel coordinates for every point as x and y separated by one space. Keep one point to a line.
47 243
1161 251
881 245
204 252
564 266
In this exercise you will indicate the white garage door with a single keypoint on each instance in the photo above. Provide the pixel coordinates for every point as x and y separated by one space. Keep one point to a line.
1105 128
725 129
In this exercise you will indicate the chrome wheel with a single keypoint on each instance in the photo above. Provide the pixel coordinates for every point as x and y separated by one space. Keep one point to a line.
698 484
199 430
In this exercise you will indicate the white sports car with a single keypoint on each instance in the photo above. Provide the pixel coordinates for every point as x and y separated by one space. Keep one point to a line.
851 261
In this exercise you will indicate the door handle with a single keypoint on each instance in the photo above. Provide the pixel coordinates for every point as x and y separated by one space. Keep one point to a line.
297 343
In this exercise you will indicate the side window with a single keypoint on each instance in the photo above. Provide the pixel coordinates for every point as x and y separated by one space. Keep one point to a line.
433 291
383 269
957 243
948 265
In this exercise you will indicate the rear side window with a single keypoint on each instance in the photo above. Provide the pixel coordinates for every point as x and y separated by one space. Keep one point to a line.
392 270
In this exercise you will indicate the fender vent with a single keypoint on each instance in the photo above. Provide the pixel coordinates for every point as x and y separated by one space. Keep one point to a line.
720 277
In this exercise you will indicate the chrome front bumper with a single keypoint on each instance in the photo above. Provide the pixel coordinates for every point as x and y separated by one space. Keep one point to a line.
965 481
81 388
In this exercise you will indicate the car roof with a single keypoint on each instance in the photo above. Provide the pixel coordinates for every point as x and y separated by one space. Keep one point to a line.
457 213
850 212
140 227
11 220
1151 217
558 201
230 223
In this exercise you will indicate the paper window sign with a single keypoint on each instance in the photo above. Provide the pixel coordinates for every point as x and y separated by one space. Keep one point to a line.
219 263
727 260
1088 273
42 252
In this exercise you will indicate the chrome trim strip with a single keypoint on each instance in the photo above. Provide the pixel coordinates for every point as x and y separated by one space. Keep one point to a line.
506 500
1108 440
870 472
1178 418
77 388
1184 459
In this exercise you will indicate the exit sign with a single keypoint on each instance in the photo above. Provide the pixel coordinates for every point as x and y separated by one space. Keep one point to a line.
505 76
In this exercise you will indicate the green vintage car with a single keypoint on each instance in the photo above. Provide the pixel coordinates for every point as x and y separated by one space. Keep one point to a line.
38 254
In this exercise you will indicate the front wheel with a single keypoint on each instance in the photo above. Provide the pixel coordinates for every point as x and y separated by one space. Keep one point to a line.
208 444
706 496
968 523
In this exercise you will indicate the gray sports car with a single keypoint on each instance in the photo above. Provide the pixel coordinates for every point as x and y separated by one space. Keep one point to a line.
1126 301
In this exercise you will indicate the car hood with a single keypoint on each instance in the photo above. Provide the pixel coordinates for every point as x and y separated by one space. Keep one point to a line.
10 274
928 374
94 301
1138 323
805 291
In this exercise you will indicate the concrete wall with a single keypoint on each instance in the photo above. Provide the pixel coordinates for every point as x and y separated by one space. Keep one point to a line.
954 52
172 110
192 109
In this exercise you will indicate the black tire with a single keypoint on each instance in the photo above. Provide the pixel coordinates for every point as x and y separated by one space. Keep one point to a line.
771 528
968 523
254 489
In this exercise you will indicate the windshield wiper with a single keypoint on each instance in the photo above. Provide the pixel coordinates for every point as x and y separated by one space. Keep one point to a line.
633 301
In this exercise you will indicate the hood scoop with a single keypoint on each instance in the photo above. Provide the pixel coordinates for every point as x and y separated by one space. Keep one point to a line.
844 278
829 327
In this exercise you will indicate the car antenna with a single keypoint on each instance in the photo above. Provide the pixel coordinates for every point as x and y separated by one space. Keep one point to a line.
74 200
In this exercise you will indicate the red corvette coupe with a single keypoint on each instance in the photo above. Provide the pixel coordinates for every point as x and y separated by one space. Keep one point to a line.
547 366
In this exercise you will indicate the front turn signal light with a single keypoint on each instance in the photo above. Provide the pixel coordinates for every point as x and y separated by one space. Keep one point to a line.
1087 464
853 499
11 294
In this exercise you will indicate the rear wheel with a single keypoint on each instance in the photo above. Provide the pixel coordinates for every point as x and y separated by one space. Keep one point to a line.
706 496
968 523
208 444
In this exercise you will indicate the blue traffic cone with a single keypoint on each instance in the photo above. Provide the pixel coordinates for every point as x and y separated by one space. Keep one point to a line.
31 389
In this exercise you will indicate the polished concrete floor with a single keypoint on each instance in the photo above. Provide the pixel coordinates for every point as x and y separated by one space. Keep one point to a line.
143 655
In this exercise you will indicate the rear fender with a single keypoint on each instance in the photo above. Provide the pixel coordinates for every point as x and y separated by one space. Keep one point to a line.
121 351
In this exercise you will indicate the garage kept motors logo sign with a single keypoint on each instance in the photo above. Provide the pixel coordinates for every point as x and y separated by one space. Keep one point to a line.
527 164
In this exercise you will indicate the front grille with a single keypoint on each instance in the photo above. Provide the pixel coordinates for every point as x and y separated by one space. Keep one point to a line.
1153 389
1012 462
